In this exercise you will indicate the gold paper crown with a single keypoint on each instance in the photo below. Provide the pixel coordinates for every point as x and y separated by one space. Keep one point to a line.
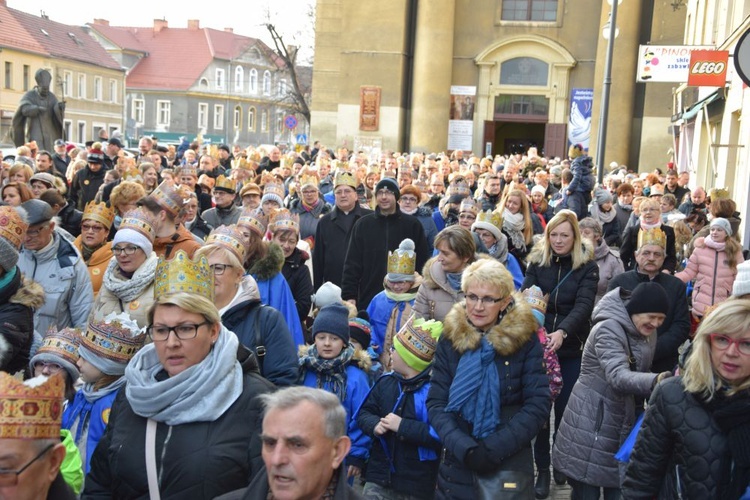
226 184
718 194
267 178
213 151
469 205
30 412
240 162
112 340
283 220
536 299
188 170
254 156
653 236
288 161
345 179
308 179
182 274
272 188
254 220
169 197
140 220
99 212
133 174
63 343
494 218
228 237
12 226
403 260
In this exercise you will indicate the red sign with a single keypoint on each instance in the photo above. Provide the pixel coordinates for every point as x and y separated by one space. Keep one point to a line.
708 68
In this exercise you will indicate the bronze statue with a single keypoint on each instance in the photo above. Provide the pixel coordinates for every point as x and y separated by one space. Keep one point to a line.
39 116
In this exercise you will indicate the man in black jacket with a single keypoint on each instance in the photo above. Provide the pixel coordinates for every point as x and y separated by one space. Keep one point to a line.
676 327
87 181
61 158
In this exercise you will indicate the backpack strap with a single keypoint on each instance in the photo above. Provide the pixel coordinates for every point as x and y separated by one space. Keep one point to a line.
258 338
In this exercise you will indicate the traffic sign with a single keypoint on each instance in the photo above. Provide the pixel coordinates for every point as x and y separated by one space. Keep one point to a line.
290 121
301 139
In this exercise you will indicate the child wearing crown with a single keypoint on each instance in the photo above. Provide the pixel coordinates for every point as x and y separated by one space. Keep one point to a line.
405 448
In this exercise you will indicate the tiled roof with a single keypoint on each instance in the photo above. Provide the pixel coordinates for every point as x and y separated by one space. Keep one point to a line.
44 36
176 57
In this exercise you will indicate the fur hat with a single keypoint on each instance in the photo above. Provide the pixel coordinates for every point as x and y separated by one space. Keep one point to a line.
648 297
334 320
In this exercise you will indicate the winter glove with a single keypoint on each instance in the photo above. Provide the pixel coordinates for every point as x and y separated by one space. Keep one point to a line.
478 459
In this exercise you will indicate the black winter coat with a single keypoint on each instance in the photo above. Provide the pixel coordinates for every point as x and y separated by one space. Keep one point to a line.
570 305
411 476
676 327
524 386
84 187
630 244
200 228
298 277
71 219
199 460
678 436
18 299
373 236
331 242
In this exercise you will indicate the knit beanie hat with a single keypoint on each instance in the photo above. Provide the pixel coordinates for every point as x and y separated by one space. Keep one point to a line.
722 223
648 297
334 320
539 189
60 348
327 294
602 196
538 302
416 342
127 235
742 280
360 329
12 231
389 184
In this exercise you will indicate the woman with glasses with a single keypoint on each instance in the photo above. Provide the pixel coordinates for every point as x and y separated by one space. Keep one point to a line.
92 242
410 203
128 283
563 266
650 217
695 436
489 393
190 401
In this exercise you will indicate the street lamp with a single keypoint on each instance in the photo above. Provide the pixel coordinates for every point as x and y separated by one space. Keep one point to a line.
610 32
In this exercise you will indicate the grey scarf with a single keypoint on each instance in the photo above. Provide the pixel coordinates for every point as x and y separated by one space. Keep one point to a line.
201 393
603 217
129 289
93 395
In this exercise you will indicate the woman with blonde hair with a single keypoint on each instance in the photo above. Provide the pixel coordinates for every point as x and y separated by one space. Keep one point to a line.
562 264
518 225
650 218
695 436
150 175
73 167
21 173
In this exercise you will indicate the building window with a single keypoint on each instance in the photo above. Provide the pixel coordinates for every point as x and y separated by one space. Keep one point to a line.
67 84
279 122
203 83
202 115
163 112
8 75
531 105
113 91
237 118
267 83
239 78
97 88
251 119
67 130
218 117
26 76
529 10
253 81
81 132
138 112
82 86
264 121
282 87
219 79
524 71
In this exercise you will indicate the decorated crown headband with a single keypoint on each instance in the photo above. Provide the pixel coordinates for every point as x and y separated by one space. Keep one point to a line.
140 220
345 179
225 183
275 189
113 340
469 205
182 274
653 236
283 220
12 226
99 212
254 220
30 411
63 343
169 197
228 237
488 216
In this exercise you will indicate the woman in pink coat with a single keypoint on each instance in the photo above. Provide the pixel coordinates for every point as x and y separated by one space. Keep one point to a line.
713 266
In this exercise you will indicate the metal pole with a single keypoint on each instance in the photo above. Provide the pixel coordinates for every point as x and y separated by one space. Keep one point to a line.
600 148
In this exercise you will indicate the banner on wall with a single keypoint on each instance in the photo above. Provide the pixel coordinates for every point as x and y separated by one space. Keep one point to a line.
665 63
579 119
461 122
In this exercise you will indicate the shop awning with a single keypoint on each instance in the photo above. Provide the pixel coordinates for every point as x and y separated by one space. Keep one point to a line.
693 110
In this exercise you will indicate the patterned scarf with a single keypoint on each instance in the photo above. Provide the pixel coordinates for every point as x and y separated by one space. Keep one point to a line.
129 289
309 208
331 373
513 225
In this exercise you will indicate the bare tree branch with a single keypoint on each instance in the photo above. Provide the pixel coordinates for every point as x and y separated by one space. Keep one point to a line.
297 97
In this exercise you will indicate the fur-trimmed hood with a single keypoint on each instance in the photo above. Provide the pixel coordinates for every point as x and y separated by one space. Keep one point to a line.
270 265
361 358
537 252
433 275
507 337
29 294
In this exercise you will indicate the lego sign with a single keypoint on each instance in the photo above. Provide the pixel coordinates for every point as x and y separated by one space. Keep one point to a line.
708 68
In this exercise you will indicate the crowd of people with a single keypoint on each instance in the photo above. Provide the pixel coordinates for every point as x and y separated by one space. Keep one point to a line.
210 321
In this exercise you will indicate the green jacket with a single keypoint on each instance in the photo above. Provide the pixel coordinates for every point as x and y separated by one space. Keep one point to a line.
72 466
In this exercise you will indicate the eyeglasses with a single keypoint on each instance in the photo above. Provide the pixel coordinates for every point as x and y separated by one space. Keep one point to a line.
52 367
344 192
186 331
128 250
408 199
36 232
644 210
219 269
467 216
385 192
487 301
90 227
9 478
723 342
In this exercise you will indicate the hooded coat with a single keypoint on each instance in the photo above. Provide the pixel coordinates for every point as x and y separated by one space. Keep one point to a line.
523 385
182 239
610 266
97 263
18 300
297 275
601 409
435 297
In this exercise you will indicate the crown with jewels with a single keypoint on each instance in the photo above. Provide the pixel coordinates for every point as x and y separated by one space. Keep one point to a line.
653 236
403 260
30 411
169 197
241 162
308 179
63 344
289 161
99 212
254 156
140 220
718 194
417 340
228 237
12 226
182 274
345 179
226 183
255 220
116 338
458 188
469 205
133 174
283 220
267 178
490 217
536 299
191 170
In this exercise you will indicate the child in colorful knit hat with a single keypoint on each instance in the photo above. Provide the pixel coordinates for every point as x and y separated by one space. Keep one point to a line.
360 332
105 349
538 302
405 448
